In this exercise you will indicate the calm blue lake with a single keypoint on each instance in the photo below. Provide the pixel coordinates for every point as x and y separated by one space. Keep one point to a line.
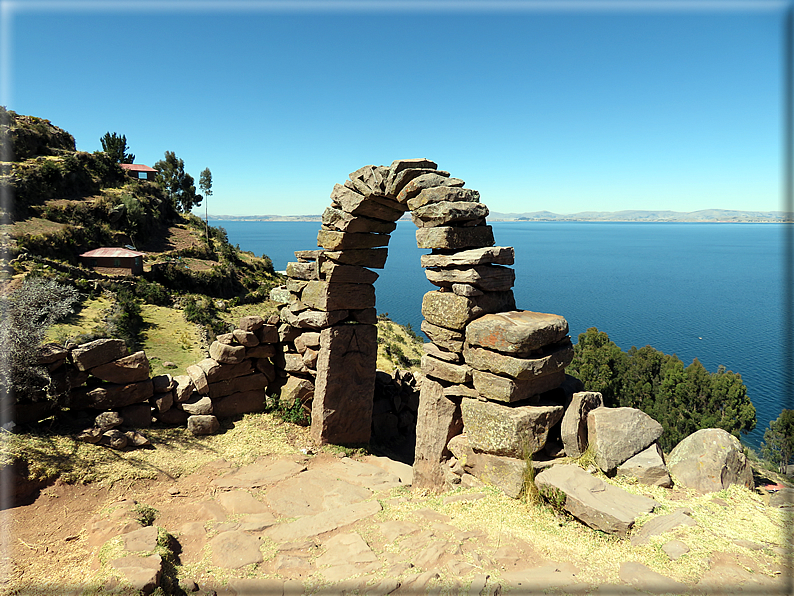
708 291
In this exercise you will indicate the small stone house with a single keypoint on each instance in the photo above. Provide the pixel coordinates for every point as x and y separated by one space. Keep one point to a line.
139 171
114 261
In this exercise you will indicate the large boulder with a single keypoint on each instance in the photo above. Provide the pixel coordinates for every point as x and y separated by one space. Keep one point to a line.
709 460
513 431
616 434
592 501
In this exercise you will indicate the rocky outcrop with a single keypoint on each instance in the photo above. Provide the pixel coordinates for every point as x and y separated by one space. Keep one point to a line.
709 460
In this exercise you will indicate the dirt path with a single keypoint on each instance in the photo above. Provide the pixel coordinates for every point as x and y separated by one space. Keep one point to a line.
317 524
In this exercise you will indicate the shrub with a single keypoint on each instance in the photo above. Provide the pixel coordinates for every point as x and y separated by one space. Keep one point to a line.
26 316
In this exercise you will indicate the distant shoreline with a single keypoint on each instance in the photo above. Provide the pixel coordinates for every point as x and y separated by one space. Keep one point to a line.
705 216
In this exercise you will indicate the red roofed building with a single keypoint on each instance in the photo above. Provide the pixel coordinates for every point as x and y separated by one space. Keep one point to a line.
114 261
139 171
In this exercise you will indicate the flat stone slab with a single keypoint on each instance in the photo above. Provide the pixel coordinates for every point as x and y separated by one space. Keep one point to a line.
259 474
660 525
593 501
363 474
231 550
539 579
344 549
402 471
640 576
240 501
313 492
144 539
616 434
327 521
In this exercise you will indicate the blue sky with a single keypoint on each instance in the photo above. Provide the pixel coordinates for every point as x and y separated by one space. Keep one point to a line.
559 106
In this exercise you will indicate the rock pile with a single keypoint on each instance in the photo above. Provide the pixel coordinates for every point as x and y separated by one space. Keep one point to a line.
115 391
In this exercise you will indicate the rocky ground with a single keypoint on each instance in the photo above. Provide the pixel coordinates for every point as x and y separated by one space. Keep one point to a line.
295 524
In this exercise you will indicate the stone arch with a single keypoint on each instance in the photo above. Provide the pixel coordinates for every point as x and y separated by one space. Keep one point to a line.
328 319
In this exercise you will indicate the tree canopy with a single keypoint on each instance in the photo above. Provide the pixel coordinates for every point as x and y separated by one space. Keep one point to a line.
116 147
778 445
179 185
682 399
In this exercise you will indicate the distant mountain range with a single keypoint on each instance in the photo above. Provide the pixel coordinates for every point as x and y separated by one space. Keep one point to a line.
704 215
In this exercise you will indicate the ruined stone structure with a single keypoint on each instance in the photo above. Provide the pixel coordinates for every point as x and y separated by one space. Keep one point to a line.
486 365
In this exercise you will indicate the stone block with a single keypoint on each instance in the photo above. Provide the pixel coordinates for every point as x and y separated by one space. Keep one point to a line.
401 179
163 383
226 354
552 359
313 319
443 194
203 425
505 473
268 334
438 420
250 323
370 180
616 434
307 339
304 271
503 389
423 181
492 255
339 220
197 405
489 278
445 371
374 258
574 421
345 384
449 237
280 295
216 371
184 388
333 240
252 382
109 395
448 339
354 203
647 467
261 351
519 332
245 338
239 403
98 352
446 309
437 352
127 369
448 214
325 296
352 274
296 388
512 431
198 378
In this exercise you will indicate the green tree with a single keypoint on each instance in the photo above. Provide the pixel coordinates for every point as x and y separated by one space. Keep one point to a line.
178 184
778 445
26 315
681 399
116 147
599 364
205 182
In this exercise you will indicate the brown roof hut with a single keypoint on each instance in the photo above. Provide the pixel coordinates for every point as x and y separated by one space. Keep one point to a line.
139 171
114 261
